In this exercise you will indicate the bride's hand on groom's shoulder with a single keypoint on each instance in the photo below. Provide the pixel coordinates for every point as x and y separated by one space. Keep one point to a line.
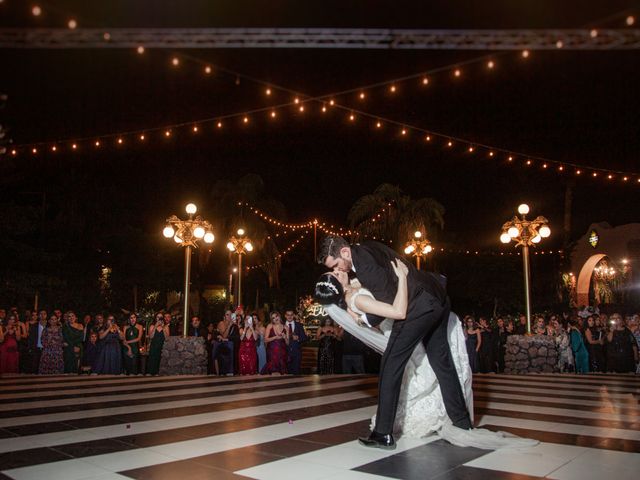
399 268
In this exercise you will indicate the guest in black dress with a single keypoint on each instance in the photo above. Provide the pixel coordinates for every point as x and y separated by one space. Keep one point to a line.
486 362
326 336
500 344
473 341
622 351
594 337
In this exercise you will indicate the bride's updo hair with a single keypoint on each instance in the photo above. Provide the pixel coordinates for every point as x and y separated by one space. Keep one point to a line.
329 291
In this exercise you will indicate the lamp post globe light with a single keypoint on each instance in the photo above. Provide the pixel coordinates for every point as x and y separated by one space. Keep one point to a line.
188 233
240 244
525 233
419 246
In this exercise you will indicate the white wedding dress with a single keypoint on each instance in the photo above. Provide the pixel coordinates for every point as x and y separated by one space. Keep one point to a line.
421 410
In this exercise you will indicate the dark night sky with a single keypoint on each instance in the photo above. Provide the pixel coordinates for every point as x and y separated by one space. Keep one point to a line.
572 106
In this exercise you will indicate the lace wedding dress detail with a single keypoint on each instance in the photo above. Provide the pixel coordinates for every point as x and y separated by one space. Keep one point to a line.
421 410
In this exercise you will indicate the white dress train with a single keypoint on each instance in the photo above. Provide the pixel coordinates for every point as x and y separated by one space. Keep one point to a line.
421 410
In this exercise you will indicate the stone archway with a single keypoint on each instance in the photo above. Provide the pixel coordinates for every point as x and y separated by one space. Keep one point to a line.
584 278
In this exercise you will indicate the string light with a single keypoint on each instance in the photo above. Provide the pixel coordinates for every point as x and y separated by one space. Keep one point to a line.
457 72
219 124
142 137
301 108
470 149
352 117
427 138
296 100
245 120
36 11
324 108
491 154
378 124
195 129
167 133
175 61
403 131
74 146
449 143
362 95
425 81
106 36
54 148
72 24
332 102
490 64
593 33
97 143
140 49
208 69
120 141
525 54
630 20
267 91
273 114
34 150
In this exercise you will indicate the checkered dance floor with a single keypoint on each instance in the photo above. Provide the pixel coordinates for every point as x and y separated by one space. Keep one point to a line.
304 428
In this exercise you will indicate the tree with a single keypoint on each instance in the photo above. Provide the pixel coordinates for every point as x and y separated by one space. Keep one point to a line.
391 215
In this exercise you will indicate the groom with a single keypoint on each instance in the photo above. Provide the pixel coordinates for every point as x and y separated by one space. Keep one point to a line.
426 322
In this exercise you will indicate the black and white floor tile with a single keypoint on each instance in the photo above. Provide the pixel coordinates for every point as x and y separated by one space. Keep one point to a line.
304 428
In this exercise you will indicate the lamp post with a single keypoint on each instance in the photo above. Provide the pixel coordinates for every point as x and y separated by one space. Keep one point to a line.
240 244
525 233
419 246
187 234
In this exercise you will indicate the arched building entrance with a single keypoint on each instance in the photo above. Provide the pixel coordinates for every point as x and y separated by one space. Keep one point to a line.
619 246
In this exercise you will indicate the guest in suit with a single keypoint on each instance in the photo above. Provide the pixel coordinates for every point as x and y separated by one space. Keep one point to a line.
297 337
196 329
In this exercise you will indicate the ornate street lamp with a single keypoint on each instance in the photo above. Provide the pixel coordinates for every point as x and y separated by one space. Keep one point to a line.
525 233
419 246
240 244
187 233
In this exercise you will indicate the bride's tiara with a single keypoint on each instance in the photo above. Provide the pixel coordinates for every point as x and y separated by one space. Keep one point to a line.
330 286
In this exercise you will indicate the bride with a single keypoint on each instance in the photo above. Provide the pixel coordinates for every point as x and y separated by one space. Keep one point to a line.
421 409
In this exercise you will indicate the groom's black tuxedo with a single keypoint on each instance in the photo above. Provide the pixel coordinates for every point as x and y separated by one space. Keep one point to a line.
426 322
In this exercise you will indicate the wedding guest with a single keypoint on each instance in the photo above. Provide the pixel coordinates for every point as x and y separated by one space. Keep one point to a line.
248 355
26 358
473 341
90 354
327 337
51 360
195 328
540 327
276 339
580 355
622 350
260 345
158 333
10 335
131 345
222 351
86 322
109 361
297 337
485 353
34 341
565 354
72 333
500 344
595 341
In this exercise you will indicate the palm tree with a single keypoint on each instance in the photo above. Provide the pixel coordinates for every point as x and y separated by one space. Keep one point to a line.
228 198
389 215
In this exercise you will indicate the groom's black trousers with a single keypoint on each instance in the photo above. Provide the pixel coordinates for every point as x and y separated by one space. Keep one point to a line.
427 323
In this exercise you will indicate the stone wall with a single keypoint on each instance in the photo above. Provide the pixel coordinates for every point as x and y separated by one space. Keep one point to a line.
184 356
531 354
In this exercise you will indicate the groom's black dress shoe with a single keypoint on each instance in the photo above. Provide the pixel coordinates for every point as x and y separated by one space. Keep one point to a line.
378 440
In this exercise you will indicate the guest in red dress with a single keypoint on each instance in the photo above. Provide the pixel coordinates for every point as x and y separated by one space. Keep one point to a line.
248 353
9 355
276 338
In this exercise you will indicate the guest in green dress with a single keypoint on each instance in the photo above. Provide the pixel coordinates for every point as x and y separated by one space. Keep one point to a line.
158 332
131 345
72 336
579 349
